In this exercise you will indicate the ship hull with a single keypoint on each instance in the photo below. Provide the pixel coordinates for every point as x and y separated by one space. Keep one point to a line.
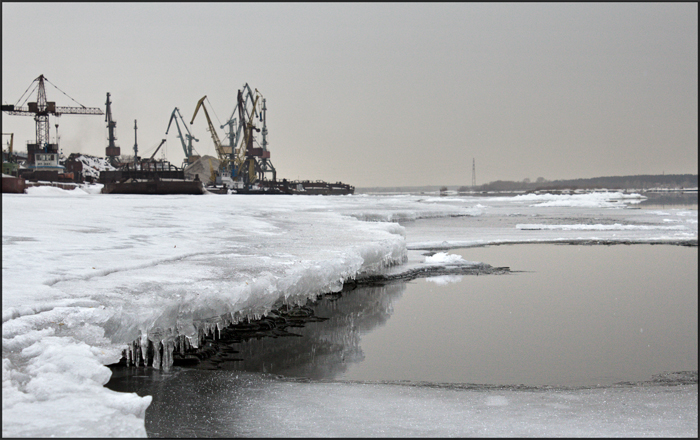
154 187
12 184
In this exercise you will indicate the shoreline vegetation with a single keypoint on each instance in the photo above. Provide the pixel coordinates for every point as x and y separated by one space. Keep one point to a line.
644 182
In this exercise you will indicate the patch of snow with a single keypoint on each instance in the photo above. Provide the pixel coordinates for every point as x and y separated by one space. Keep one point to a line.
614 227
591 200
445 259
444 280
93 165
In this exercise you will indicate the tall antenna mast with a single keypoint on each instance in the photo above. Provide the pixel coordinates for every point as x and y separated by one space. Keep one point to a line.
473 173
136 147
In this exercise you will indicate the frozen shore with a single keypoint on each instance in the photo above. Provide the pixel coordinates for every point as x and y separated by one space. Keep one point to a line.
85 274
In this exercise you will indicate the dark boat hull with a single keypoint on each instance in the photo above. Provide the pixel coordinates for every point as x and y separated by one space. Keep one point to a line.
154 187
306 187
13 185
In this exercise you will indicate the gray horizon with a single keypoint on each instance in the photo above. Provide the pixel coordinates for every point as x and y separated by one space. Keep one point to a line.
377 95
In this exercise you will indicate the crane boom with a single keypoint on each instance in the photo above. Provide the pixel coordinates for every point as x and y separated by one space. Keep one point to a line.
54 110
154 153
246 148
212 130
187 148
247 122
42 108
250 95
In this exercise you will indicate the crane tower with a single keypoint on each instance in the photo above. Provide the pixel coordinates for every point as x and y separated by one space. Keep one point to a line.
255 163
186 147
112 151
44 154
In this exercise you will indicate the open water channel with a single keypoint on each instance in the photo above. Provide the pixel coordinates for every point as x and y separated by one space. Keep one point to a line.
567 316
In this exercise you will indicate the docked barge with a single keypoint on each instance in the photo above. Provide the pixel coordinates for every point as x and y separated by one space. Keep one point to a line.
299 187
149 178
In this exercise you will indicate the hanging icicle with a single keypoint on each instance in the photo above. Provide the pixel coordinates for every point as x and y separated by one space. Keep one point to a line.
137 354
157 350
168 348
144 349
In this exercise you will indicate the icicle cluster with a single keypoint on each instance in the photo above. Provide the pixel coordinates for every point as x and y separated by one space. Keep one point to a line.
156 347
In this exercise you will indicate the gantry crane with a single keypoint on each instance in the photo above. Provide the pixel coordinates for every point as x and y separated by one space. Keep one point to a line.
235 127
247 170
41 109
187 148
254 160
241 161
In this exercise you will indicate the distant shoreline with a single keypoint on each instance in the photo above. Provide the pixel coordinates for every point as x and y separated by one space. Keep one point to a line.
645 182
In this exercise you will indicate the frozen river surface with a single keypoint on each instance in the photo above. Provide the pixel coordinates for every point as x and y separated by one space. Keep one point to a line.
85 274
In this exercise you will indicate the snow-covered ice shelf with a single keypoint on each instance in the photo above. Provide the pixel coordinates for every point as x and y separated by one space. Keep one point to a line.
84 274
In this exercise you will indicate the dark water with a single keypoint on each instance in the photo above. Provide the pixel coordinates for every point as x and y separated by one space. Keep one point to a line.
667 200
576 315
568 316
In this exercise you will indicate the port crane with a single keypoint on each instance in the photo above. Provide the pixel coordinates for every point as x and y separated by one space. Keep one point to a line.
254 160
150 159
247 159
112 151
240 160
41 109
215 137
235 127
187 148
233 134
265 163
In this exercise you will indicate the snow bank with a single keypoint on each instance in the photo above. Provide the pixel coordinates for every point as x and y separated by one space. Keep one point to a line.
587 200
85 274
93 165
399 208
614 227
59 390
52 191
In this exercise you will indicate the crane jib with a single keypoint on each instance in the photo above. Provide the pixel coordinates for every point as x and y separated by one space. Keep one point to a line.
212 130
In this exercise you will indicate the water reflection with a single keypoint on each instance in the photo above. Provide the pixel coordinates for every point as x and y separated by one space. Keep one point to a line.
655 200
576 316
573 316
323 350
191 402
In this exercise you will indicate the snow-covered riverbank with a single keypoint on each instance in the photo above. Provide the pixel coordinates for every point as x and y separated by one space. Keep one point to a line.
84 273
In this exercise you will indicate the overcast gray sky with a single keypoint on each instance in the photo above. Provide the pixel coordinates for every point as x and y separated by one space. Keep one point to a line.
377 94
